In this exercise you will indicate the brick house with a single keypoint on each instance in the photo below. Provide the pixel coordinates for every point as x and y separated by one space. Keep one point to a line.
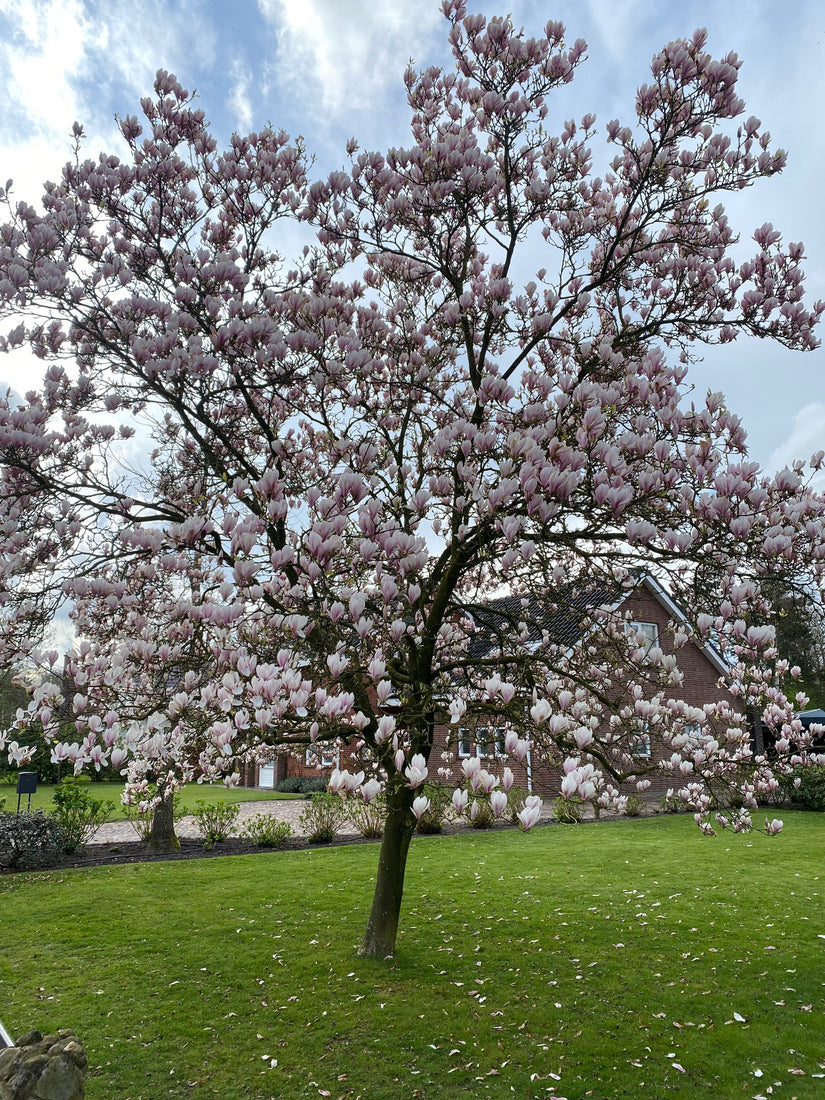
650 609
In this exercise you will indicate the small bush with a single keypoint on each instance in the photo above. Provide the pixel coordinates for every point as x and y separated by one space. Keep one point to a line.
79 815
301 784
323 816
810 794
266 831
214 820
516 800
30 840
481 814
635 805
567 812
293 784
433 818
672 804
367 817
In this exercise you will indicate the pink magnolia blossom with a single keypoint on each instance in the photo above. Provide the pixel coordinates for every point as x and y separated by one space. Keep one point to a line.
530 815
420 806
460 800
370 790
498 802
457 709
416 773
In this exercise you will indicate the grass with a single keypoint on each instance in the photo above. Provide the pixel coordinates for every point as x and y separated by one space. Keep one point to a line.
627 959
111 792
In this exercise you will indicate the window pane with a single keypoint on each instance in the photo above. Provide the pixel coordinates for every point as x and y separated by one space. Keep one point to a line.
645 635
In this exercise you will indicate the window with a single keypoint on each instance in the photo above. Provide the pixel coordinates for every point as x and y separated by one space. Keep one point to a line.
645 634
482 742
640 740
320 756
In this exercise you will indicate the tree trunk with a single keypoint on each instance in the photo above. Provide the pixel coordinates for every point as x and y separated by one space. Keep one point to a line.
163 837
382 927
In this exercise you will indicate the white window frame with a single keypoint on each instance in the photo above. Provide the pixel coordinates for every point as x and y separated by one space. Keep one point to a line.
649 631
482 742
320 757
640 746
478 742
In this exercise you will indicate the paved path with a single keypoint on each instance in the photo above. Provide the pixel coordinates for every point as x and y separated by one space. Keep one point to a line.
289 809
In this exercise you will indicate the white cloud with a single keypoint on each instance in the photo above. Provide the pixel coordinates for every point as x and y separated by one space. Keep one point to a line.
351 49
41 60
43 57
147 35
617 24
60 61
806 437
239 98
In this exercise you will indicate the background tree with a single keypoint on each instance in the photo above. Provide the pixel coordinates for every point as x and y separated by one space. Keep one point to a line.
354 452
799 621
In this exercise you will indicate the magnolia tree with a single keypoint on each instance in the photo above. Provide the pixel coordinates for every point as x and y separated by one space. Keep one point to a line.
473 384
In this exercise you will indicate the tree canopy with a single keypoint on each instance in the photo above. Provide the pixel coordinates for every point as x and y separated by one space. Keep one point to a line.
279 491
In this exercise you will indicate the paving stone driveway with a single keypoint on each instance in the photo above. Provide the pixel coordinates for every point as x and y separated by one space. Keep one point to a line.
289 809
114 832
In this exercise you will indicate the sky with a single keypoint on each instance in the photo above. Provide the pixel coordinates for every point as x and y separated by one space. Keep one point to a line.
331 69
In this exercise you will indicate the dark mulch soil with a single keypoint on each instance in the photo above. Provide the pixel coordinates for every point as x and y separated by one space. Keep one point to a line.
102 855
113 853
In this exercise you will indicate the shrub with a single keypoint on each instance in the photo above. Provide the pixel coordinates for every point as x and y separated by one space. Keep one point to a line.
367 817
433 818
635 805
323 816
293 784
567 812
810 793
301 784
214 820
671 803
30 840
79 815
481 814
516 800
266 831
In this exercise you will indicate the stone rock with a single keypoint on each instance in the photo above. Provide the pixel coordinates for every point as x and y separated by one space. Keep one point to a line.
38 1068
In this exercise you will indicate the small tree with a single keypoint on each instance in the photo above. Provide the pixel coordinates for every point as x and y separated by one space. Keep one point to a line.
355 451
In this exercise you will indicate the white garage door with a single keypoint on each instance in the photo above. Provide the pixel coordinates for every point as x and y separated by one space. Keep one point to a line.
266 775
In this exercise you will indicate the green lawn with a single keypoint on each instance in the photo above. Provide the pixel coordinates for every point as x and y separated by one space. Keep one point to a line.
627 959
111 792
